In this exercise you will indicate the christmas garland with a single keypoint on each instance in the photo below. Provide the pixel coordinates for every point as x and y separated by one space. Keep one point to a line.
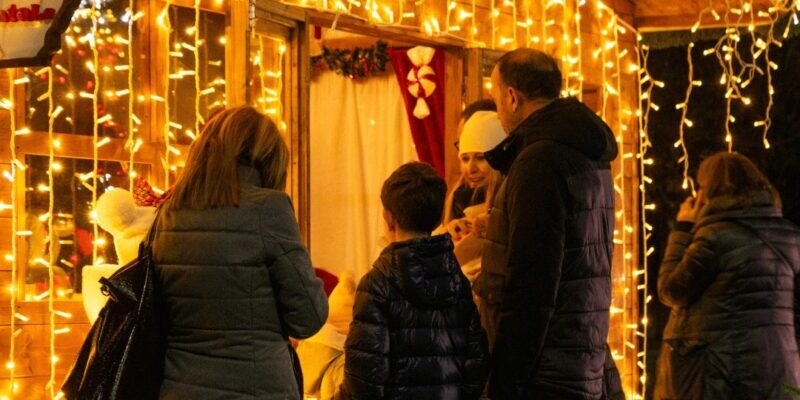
358 63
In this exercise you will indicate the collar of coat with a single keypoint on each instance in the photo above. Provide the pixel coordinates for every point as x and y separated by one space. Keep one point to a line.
566 121
424 269
249 176
758 205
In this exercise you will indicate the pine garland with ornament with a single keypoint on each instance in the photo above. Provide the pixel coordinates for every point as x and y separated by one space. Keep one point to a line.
357 63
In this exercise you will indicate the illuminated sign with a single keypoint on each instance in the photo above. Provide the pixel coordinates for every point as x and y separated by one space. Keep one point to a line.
30 31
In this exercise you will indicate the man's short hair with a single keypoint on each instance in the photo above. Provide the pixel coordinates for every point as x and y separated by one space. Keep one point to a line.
534 73
414 195
480 105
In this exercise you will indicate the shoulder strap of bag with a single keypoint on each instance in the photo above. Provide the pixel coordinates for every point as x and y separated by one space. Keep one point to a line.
755 232
151 234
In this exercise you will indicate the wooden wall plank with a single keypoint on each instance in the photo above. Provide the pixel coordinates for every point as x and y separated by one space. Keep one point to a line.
37 312
5 242
31 387
236 30
32 348
79 146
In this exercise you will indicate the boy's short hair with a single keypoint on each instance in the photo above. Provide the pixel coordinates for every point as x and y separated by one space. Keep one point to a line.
414 194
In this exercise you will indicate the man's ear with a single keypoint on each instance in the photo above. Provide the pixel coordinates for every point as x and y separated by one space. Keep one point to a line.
513 98
391 224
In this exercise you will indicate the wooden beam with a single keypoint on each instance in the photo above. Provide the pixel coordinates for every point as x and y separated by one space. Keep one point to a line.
360 41
409 35
657 23
80 146
38 312
216 6
278 12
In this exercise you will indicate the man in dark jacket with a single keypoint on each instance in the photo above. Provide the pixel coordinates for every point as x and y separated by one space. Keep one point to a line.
416 333
545 285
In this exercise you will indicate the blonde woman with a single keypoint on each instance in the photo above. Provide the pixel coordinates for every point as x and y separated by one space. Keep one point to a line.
466 203
235 278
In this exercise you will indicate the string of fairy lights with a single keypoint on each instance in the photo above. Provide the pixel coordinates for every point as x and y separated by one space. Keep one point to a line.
11 175
684 123
642 114
738 70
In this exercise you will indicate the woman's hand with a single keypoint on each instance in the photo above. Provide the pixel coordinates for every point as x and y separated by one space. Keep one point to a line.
481 225
458 228
468 249
690 208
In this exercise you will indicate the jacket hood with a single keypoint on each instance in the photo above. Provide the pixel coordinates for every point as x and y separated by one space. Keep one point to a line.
758 205
425 270
566 121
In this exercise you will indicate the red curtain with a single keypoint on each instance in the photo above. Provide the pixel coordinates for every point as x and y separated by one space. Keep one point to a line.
428 132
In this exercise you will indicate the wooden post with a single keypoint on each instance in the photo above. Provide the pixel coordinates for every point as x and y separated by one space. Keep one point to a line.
236 56
453 104
301 148
472 76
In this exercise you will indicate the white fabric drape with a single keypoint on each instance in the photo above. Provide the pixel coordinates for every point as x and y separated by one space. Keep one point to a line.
359 135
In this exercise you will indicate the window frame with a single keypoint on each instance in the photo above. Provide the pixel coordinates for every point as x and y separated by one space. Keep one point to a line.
148 43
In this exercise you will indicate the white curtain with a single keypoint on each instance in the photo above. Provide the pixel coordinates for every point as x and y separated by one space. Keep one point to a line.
359 135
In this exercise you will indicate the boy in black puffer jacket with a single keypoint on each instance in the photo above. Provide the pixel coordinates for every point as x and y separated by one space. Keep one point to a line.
416 333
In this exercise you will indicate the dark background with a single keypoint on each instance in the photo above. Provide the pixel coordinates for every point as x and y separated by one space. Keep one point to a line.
781 162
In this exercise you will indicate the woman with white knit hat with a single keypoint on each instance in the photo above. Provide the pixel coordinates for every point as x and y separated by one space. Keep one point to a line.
481 131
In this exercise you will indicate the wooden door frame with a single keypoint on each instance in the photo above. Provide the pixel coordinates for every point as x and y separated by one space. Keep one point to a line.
454 53
301 21
267 18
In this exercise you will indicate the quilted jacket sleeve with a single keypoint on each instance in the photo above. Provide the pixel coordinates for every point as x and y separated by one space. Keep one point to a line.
612 383
797 308
299 293
366 351
536 199
688 268
477 363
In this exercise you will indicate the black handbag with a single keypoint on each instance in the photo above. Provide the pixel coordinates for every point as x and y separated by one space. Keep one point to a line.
122 357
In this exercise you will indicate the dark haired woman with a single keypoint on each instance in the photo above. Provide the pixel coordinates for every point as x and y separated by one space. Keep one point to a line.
730 276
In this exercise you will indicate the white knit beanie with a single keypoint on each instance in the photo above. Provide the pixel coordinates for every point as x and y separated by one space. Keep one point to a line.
481 133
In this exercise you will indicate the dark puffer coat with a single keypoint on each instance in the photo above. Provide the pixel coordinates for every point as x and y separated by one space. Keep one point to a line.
237 283
416 333
545 282
732 332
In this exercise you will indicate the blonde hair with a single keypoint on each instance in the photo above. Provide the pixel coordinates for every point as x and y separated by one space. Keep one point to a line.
232 137
491 186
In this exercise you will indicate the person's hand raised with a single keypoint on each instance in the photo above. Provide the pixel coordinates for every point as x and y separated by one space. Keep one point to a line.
458 228
480 225
690 208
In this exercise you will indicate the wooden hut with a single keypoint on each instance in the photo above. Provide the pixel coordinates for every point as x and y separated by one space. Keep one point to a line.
136 79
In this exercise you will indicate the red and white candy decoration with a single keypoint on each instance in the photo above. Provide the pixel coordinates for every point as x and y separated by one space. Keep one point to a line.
420 78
